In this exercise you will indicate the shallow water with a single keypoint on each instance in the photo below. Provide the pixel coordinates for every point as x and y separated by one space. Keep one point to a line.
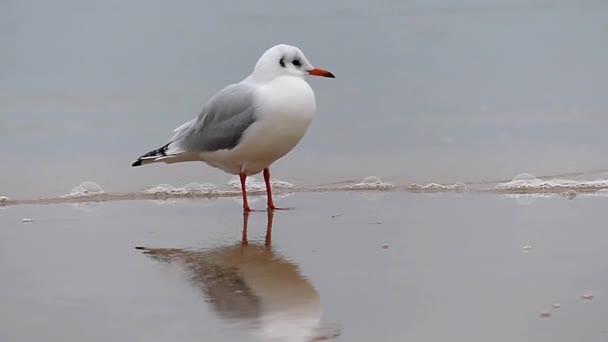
353 265
427 92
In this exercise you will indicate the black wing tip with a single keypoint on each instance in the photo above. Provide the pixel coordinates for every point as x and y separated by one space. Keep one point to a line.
140 248
160 152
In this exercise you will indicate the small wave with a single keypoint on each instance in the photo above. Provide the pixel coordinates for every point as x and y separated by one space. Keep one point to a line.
437 187
253 184
85 189
527 182
371 183
188 189
3 199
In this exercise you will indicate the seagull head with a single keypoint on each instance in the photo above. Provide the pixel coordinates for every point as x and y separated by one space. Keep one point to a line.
283 60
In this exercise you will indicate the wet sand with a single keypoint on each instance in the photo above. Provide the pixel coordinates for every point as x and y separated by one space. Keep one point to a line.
349 266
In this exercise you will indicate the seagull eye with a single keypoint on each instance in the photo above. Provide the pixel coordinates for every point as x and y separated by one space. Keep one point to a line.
297 63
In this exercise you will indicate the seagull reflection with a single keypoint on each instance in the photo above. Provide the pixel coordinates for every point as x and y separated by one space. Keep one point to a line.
251 283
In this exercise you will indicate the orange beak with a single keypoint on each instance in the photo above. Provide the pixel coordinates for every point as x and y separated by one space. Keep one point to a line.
321 72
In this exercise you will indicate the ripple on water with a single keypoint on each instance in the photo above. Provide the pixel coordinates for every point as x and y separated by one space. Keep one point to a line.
85 189
371 183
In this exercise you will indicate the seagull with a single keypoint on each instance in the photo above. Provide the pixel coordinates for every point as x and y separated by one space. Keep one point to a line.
249 125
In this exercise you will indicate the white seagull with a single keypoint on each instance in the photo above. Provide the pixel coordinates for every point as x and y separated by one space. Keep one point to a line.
247 126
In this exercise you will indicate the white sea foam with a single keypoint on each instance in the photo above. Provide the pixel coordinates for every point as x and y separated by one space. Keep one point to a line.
527 182
161 189
281 184
198 188
371 183
253 184
3 199
188 189
437 187
85 189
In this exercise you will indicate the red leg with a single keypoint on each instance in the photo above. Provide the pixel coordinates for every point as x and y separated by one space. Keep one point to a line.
269 191
268 239
244 241
268 188
243 177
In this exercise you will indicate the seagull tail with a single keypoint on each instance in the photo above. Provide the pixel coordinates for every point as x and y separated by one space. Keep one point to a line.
165 154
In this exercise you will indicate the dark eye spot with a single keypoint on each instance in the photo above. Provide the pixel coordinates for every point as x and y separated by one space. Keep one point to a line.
282 62
297 63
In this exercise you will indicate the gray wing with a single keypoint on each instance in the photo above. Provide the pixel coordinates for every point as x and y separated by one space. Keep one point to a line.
221 123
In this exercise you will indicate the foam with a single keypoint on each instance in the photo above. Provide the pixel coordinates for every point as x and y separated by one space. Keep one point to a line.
281 184
188 189
527 182
198 188
437 187
161 189
3 199
371 183
85 189
253 184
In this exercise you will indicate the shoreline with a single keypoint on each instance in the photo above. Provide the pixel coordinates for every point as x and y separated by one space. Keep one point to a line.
568 192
